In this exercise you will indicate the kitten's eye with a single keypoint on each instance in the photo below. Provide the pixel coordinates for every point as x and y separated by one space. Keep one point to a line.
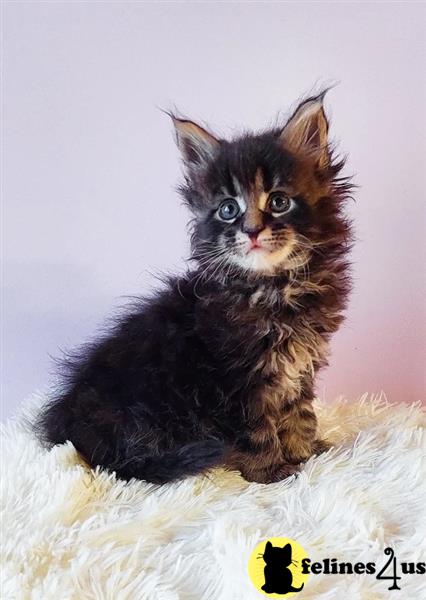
279 203
228 210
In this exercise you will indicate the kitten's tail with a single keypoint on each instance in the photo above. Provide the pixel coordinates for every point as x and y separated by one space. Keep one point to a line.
191 459
292 589
55 427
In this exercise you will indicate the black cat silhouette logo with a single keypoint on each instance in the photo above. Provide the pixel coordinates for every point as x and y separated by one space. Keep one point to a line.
278 577
275 568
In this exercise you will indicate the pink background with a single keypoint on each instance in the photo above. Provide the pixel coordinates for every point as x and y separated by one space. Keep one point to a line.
90 164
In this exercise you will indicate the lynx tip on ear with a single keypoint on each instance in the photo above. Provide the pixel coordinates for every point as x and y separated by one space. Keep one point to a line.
196 144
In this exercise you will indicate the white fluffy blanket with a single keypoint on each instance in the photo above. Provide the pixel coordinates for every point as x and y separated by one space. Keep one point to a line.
71 533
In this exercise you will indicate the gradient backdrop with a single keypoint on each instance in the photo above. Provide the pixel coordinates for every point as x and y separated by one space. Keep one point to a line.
90 164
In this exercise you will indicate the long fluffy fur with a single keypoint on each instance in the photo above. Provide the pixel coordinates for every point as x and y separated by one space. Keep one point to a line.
218 367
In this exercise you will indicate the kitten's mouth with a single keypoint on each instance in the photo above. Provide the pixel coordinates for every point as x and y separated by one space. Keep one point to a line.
265 250
255 246
265 254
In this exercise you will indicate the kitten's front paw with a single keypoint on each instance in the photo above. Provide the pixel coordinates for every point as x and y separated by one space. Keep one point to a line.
284 471
320 446
271 475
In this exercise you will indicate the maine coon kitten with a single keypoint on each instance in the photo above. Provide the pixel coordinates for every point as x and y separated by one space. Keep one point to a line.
218 368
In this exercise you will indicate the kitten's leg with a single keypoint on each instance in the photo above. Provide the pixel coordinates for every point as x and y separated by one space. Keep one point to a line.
259 457
297 431
278 444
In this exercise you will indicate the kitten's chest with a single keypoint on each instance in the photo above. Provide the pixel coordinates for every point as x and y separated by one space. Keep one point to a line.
293 350
280 406
269 344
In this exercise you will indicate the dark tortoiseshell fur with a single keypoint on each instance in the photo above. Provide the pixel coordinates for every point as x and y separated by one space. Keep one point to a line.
218 367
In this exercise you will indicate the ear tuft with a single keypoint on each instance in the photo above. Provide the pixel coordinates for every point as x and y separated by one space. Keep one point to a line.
196 144
307 130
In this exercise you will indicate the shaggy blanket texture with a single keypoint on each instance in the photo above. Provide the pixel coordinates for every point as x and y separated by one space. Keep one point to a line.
72 533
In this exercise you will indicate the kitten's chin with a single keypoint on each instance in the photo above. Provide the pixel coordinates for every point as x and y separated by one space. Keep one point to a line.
262 261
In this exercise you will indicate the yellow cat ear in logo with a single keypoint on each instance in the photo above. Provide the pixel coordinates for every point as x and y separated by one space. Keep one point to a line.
275 567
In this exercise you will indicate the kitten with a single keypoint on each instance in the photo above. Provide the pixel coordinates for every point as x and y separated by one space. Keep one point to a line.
278 577
218 368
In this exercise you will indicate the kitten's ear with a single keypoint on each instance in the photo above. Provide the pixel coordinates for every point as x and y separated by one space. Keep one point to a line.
287 547
197 145
307 130
268 546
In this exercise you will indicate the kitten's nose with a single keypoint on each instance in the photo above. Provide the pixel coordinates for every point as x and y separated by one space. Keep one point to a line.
252 231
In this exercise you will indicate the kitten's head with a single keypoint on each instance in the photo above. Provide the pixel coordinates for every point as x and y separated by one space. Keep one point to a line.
262 202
